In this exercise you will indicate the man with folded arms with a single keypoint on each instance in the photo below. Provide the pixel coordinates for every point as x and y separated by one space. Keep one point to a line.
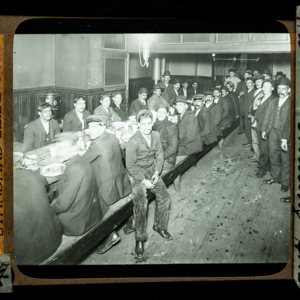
276 128
105 156
176 86
144 161
75 120
262 106
232 77
215 110
118 107
41 131
168 94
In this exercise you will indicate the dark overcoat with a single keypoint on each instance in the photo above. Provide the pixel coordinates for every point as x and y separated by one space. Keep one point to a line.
225 116
37 229
105 156
78 206
189 134
109 115
216 111
168 94
120 111
136 106
73 123
35 134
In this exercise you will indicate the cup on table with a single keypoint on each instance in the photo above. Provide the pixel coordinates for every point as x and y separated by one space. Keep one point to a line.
53 151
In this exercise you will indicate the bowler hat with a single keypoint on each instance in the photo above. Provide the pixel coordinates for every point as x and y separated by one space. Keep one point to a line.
156 87
167 73
256 77
208 93
143 90
266 72
271 81
198 97
175 81
284 81
279 73
181 98
96 118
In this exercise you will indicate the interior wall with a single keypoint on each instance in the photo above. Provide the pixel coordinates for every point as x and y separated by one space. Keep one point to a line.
135 68
33 61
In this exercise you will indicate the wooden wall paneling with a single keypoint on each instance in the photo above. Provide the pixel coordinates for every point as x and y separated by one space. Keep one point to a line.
135 84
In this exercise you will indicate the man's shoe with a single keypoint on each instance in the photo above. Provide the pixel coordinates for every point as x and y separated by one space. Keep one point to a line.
270 181
260 174
164 233
286 199
247 145
284 188
111 240
139 249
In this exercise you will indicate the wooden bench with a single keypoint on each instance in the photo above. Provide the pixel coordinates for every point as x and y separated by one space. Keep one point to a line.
73 248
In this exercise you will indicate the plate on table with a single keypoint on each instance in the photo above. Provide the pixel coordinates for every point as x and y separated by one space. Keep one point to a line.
117 125
53 170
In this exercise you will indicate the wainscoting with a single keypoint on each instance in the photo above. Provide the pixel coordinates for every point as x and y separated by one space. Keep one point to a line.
135 84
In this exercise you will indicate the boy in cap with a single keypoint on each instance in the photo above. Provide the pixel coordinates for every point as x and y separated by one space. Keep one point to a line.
233 78
140 102
168 94
276 128
118 106
144 161
105 156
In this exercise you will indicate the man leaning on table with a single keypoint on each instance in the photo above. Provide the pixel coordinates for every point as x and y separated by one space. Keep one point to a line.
144 161
105 155
41 131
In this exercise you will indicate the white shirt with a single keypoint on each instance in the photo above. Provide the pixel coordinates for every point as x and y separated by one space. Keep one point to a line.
176 92
257 91
184 92
282 100
46 125
265 98
197 112
216 100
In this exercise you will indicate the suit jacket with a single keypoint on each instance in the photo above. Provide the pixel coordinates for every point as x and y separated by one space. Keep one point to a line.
241 88
154 101
235 99
72 122
110 116
248 101
206 124
120 111
77 206
261 112
225 116
168 132
191 93
105 156
216 111
136 106
168 94
232 113
35 134
284 118
189 134
37 229
181 92
141 160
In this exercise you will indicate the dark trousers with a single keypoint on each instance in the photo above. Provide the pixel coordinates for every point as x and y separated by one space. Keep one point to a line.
241 113
279 159
242 124
140 208
264 160
248 129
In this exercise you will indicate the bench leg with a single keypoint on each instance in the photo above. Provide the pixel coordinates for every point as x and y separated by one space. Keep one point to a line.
221 144
177 183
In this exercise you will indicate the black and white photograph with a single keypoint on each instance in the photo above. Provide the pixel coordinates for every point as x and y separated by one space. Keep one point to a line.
152 149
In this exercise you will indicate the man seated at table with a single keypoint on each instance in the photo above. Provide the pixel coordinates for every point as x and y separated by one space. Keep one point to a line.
154 102
106 112
144 161
189 134
205 119
75 120
168 132
118 106
139 103
41 131
216 111
78 206
105 155
37 230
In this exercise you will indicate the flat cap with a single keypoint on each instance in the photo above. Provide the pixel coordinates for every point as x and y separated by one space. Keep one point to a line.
156 87
181 98
96 118
198 97
256 77
225 88
207 93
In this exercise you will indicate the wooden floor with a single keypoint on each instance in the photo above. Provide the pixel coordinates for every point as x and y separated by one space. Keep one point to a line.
223 214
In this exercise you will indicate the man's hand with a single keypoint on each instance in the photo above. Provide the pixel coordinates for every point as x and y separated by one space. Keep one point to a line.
284 145
148 184
154 178
264 135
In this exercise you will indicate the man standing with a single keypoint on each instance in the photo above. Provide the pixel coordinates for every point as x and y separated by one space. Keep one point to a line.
215 110
119 107
168 94
225 95
234 97
176 86
248 101
263 104
193 90
232 77
184 89
205 119
241 90
105 155
40 132
156 99
140 102
168 132
144 161
75 120
276 128
225 118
